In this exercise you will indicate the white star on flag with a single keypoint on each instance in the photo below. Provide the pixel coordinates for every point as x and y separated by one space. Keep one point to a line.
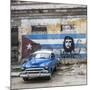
29 46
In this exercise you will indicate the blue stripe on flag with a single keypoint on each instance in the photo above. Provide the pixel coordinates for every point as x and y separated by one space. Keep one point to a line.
54 36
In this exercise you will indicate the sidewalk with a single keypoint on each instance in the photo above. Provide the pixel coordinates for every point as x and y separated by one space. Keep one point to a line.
15 66
15 74
15 70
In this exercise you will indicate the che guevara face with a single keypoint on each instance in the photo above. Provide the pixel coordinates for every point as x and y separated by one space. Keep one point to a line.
68 43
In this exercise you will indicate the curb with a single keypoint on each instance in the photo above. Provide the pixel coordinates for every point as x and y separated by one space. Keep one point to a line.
15 67
15 74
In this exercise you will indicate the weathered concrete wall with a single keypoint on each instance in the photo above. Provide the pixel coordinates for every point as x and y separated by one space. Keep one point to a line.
44 6
22 31
53 29
81 25
16 22
54 25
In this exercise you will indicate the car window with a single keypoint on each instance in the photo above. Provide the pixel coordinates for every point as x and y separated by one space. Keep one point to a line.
42 55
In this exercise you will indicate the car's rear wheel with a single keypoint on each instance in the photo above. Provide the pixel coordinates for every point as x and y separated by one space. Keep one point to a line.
25 79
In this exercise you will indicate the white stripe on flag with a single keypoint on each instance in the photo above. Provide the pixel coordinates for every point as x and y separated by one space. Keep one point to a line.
58 41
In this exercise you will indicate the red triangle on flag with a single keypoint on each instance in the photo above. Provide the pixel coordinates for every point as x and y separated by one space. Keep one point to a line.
28 47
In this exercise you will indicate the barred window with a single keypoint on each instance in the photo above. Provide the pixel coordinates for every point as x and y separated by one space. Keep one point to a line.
39 30
67 27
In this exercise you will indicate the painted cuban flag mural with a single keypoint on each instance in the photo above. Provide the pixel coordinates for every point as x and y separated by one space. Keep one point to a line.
63 43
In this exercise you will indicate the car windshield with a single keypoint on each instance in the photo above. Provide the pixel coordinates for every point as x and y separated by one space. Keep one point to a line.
41 55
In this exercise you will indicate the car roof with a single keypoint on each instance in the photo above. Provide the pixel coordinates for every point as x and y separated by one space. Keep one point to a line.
44 51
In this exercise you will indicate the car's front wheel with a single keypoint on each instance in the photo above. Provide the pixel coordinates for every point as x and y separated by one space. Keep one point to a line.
48 78
25 79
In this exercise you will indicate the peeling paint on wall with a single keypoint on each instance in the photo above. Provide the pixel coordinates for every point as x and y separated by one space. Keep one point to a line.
53 29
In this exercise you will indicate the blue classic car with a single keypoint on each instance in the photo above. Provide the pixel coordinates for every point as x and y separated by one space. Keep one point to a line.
41 63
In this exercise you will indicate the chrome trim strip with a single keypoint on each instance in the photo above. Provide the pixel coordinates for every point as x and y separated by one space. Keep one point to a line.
35 75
